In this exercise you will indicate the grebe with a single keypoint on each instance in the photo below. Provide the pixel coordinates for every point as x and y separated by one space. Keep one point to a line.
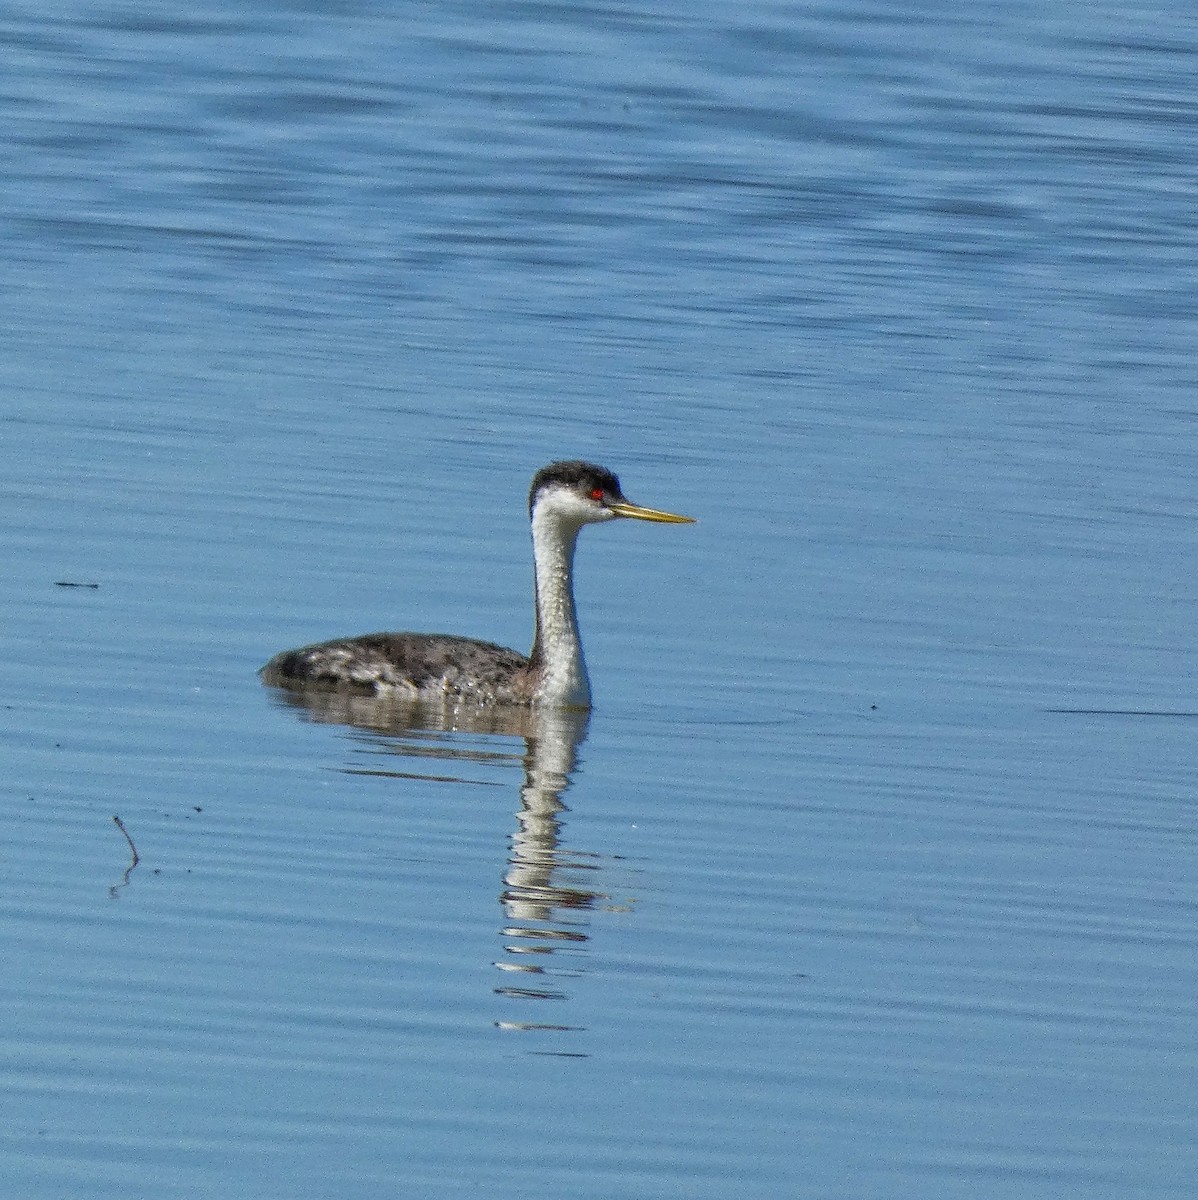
564 497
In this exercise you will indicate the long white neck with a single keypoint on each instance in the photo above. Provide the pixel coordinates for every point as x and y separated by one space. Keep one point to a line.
557 648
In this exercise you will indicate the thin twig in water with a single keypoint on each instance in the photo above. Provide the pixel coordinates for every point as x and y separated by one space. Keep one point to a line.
116 887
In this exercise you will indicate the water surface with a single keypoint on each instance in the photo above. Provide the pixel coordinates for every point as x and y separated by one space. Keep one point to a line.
871 874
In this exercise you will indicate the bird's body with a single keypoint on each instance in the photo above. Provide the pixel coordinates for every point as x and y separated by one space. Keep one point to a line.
412 666
564 497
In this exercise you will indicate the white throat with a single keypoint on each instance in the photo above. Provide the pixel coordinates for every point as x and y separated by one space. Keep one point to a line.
564 681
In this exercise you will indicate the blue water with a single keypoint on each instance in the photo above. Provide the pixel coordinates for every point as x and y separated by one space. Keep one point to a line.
872 873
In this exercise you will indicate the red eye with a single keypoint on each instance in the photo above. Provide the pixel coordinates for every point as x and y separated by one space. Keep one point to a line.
597 494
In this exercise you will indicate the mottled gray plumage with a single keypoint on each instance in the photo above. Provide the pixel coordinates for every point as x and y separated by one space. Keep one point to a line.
414 665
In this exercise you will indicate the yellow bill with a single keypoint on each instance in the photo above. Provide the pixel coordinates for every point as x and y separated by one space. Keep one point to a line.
623 509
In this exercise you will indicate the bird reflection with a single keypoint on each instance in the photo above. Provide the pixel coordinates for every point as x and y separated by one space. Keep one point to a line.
547 889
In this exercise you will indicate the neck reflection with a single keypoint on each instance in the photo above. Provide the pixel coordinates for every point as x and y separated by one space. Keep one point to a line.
546 888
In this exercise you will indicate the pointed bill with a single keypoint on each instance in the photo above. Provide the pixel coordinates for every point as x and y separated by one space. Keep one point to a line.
623 509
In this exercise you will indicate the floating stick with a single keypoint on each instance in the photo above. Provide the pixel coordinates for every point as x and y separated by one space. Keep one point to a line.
116 887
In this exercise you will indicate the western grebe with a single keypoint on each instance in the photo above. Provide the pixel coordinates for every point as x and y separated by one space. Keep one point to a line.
564 497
